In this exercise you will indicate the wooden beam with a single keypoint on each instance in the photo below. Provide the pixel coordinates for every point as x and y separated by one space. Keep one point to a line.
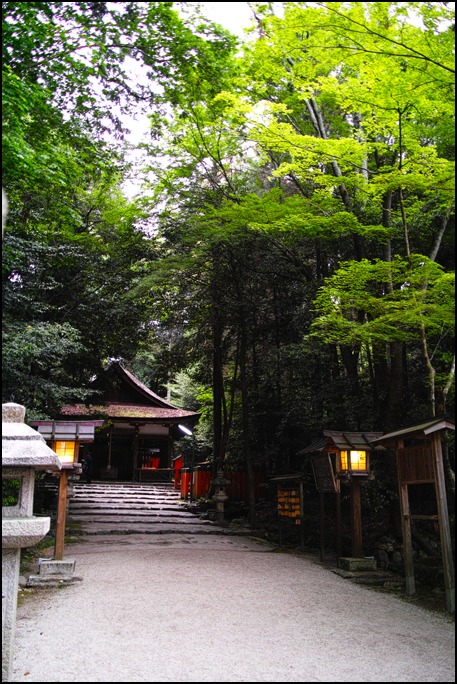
443 516
410 583
356 519
61 515
322 525
338 524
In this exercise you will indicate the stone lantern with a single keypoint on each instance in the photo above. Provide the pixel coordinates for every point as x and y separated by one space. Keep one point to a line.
23 452
220 496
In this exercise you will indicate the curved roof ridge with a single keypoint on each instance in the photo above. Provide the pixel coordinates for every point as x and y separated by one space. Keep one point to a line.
144 389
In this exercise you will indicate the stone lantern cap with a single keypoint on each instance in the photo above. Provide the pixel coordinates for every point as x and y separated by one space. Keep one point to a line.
22 446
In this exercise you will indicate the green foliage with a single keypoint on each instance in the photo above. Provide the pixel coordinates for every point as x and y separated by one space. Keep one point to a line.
325 168
84 55
10 492
385 301
290 268
37 362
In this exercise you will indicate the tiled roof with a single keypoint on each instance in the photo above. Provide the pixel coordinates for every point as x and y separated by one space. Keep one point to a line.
318 445
427 428
342 441
141 404
141 388
127 411
352 440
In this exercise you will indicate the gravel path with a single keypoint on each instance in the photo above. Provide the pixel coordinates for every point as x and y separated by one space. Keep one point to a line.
202 608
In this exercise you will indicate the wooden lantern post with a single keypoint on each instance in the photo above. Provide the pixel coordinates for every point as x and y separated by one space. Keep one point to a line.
61 515
64 438
342 457
356 519
353 464
67 451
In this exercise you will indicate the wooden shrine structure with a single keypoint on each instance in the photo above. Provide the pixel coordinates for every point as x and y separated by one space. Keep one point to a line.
419 460
136 439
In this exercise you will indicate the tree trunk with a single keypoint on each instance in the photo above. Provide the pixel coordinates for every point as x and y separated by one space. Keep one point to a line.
392 417
218 383
245 419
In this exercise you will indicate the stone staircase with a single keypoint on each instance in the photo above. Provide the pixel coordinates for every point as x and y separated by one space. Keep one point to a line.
103 508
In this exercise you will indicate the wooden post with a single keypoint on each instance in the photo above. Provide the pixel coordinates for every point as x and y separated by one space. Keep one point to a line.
302 512
136 464
322 524
443 518
61 515
280 529
110 446
410 583
338 523
356 519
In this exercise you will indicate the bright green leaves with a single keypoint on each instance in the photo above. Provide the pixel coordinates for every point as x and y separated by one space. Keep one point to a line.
375 84
290 218
385 301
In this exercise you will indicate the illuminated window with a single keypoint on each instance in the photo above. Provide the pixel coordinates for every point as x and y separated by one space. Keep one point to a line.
343 460
65 451
357 461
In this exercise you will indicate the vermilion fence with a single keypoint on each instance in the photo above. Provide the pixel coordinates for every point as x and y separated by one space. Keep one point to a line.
237 489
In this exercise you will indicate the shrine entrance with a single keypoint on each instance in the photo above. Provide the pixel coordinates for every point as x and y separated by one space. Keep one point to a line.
139 428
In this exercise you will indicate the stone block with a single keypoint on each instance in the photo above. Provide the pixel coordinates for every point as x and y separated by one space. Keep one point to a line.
51 580
357 564
62 568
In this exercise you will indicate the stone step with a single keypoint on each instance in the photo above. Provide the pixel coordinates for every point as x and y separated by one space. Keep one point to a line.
138 487
125 499
120 505
164 486
132 508
134 516
132 520
124 528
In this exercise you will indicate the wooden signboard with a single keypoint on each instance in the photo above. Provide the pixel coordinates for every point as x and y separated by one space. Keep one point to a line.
324 474
289 504
327 483
415 465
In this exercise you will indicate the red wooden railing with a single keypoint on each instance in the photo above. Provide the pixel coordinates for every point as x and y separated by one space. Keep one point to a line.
237 489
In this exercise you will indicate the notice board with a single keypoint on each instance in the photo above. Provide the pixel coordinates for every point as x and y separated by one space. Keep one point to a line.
289 503
324 474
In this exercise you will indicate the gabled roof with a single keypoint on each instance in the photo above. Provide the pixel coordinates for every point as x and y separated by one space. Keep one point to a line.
423 429
343 441
318 445
128 411
140 388
352 440
136 402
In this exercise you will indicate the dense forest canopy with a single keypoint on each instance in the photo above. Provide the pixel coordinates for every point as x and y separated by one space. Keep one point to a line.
288 266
